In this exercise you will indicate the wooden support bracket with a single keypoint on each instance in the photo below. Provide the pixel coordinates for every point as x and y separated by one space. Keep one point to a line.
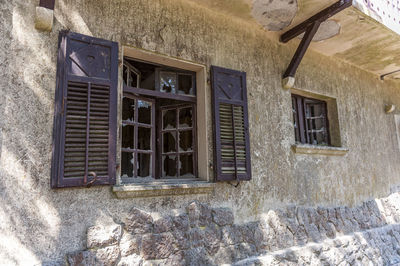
310 27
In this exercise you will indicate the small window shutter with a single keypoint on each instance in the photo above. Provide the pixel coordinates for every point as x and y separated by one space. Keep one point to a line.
84 134
231 134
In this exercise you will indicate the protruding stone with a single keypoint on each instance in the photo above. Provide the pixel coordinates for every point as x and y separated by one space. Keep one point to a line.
107 255
132 260
222 216
44 18
199 214
130 245
82 258
163 225
101 236
139 222
158 246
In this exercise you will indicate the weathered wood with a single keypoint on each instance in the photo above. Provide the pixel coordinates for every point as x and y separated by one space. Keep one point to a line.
319 17
301 50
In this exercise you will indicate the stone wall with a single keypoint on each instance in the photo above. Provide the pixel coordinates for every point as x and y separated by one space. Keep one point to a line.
200 235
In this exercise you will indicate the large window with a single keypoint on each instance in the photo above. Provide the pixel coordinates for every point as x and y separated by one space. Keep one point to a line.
158 122
310 120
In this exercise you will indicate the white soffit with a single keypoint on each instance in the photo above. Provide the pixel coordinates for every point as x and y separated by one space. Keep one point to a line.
386 12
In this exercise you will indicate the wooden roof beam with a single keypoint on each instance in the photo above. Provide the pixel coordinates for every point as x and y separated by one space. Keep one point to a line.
310 27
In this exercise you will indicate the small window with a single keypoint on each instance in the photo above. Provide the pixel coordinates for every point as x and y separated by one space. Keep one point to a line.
158 123
310 120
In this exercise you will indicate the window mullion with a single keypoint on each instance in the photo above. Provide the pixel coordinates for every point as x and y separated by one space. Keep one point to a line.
135 139
178 172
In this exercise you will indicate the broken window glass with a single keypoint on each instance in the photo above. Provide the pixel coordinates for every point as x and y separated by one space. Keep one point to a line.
144 138
186 165
168 82
144 165
169 166
185 117
169 119
185 85
128 136
185 140
169 141
144 112
127 162
128 109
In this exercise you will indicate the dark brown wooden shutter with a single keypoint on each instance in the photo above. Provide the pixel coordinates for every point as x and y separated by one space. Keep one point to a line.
84 135
231 134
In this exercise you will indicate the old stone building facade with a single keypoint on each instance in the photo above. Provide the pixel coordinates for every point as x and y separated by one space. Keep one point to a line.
335 204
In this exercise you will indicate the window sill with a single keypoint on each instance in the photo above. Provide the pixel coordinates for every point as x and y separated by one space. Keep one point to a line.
163 188
319 150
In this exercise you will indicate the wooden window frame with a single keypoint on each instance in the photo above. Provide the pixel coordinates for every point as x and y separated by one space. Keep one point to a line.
300 119
190 100
136 125
177 153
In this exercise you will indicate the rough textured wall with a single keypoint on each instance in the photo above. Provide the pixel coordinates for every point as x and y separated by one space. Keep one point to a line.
44 224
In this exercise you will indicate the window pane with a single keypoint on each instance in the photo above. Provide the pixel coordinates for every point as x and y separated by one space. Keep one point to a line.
169 139
168 82
128 136
186 165
169 119
127 161
169 166
144 112
185 84
185 117
144 138
186 140
128 109
144 165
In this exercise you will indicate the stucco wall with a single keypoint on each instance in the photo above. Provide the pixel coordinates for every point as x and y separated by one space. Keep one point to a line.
44 224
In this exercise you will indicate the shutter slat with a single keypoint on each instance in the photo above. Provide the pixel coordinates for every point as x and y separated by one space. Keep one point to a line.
231 138
85 119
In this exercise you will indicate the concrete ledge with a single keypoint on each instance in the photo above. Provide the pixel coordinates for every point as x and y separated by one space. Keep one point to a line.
44 18
321 150
168 188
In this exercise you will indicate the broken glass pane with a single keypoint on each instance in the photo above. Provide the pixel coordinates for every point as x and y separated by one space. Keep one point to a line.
144 165
168 82
128 109
185 85
127 161
128 136
186 165
185 117
169 119
169 140
144 112
169 166
144 138
185 140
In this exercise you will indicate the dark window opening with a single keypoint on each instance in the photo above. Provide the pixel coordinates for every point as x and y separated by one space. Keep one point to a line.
310 120
158 122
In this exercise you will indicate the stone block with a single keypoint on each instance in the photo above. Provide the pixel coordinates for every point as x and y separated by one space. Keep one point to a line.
139 222
199 214
82 258
163 225
197 257
130 245
158 246
212 239
222 216
231 235
182 239
181 222
44 18
132 260
101 236
108 255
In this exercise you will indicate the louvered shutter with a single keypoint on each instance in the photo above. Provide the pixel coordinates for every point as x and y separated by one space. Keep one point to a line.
84 135
231 135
